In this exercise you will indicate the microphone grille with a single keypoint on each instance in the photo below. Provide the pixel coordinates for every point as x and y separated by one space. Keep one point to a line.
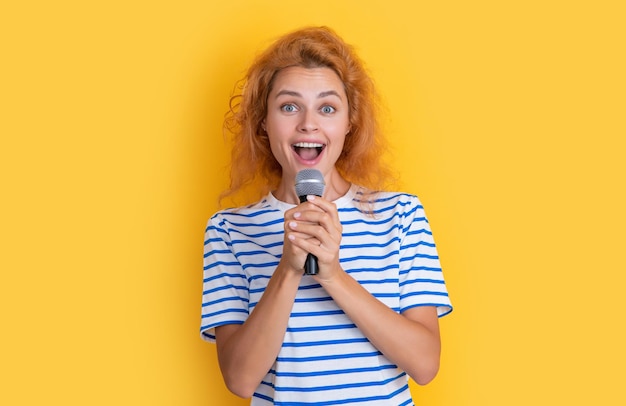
309 182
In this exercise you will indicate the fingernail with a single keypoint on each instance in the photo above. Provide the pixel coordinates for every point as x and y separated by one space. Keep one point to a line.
297 214
310 197
293 224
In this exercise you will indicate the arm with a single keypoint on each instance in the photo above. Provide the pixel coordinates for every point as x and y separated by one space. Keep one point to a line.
247 351
410 340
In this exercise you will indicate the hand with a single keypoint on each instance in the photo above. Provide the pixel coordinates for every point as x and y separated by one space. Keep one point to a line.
313 227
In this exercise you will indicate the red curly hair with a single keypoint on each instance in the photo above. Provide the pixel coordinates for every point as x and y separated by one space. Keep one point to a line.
252 161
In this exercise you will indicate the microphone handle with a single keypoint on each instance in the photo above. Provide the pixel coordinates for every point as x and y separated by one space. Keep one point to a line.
310 265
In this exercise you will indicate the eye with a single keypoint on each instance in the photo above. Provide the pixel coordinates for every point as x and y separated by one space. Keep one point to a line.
327 109
288 108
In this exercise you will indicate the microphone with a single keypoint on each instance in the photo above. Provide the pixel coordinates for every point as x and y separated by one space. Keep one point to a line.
309 182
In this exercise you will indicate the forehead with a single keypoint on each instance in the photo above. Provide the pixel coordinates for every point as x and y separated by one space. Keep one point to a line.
308 80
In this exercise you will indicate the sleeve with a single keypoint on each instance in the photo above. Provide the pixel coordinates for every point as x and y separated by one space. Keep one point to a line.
225 287
421 277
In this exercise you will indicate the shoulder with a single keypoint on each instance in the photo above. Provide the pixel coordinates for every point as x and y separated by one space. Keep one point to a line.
252 217
386 201
259 209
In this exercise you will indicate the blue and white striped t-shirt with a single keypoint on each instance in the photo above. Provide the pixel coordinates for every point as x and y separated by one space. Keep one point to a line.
325 359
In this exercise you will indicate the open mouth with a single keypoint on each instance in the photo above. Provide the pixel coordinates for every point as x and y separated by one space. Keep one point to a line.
308 150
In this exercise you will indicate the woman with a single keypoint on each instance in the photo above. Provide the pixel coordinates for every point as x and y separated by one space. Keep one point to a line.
353 332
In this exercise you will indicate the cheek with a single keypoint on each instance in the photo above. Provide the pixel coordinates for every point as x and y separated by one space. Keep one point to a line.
278 126
278 148
343 125
339 130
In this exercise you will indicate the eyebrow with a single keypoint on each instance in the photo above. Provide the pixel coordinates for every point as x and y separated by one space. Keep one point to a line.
319 96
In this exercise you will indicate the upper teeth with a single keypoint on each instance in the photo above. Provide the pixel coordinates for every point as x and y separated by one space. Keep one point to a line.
308 145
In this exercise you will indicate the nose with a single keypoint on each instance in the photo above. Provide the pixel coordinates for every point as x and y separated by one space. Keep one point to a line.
308 123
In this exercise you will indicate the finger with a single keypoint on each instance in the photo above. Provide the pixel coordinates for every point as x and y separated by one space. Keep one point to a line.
311 236
302 230
322 203
328 207
314 221
319 224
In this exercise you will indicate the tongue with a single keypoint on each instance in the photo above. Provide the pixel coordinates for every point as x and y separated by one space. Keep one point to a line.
308 154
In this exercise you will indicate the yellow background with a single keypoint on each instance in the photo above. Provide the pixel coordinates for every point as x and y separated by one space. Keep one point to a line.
506 118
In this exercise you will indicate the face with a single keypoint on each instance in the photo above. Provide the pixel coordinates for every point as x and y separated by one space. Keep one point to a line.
307 120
